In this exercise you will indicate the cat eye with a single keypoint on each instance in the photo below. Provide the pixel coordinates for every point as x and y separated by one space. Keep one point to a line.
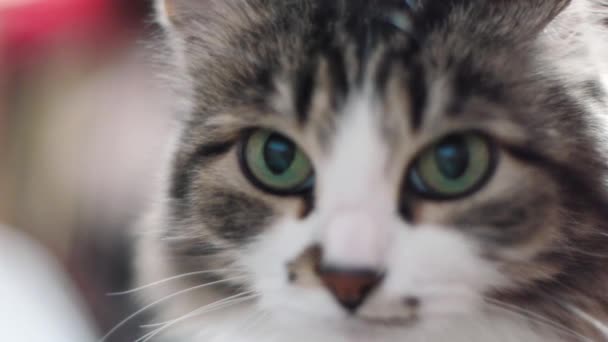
456 166
276 164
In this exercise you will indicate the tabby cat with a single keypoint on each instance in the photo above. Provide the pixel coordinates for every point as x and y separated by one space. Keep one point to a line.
382 170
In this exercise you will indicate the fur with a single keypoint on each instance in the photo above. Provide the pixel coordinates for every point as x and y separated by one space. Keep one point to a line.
363 87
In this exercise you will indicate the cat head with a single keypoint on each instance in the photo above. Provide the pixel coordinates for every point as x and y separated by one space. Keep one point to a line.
387 161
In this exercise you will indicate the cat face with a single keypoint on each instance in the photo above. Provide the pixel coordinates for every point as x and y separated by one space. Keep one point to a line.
384 163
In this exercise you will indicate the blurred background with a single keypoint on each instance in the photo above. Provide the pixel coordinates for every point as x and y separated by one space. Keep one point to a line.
82 122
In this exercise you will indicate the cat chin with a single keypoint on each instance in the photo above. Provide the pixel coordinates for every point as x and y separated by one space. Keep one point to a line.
248 324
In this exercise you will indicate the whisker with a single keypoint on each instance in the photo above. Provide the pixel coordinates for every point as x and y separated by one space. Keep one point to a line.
603 328
173 295
249 322
221 304
571 248
534 317
243 323
256 317
213 304
163 281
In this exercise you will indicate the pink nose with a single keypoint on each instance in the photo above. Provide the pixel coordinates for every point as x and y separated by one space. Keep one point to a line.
350 287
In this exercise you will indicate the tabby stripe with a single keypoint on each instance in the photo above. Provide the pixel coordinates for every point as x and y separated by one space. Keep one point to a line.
182 175
594 89
579 184
303 89
339 77
418 91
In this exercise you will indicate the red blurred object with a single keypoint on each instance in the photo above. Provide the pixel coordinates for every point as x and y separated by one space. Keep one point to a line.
27 28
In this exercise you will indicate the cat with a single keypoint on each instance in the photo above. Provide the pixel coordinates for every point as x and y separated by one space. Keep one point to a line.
381 170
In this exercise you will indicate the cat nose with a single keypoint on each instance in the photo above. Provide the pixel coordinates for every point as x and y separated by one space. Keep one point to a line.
350 287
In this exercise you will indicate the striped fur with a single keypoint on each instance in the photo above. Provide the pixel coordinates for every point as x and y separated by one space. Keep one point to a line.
363 87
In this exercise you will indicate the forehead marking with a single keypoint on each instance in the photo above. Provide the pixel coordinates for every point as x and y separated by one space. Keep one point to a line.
355 170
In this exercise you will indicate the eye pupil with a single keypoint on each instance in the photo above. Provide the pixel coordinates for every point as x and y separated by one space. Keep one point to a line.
279 154
454 167
276 164
452 157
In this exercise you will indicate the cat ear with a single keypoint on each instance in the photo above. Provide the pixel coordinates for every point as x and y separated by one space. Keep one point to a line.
506 20
535 15
171 13
174 13
521 18
189 17
163 12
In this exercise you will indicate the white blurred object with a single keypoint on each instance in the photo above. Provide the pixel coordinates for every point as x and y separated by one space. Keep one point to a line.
37 301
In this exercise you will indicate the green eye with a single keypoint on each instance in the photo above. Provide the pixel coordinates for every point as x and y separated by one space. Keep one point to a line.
276 164
454 167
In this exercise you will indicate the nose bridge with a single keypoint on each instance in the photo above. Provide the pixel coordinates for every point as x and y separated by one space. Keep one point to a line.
359 157
355 240
356 197
357 213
